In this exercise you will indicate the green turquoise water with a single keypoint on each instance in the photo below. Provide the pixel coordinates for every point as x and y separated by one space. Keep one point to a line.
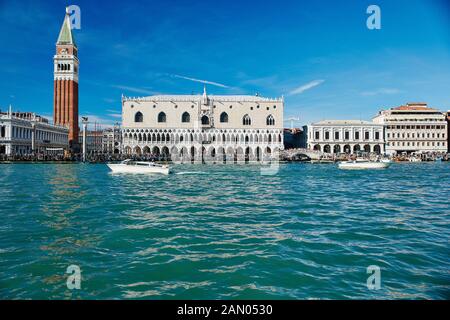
223 231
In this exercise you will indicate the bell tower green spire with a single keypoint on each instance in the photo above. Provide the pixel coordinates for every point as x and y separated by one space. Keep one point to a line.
65 34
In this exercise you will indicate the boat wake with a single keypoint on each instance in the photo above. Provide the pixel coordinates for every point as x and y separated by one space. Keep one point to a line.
191 172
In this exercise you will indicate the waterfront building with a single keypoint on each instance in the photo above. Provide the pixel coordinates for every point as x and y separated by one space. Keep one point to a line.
414 127
65 101
112 140
24 133
189 127
345 136
94 140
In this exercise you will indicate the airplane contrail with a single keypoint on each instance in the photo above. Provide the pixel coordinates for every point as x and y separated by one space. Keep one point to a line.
201 81
305 87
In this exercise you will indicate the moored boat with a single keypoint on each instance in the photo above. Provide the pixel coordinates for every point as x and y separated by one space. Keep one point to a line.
130 166
363 164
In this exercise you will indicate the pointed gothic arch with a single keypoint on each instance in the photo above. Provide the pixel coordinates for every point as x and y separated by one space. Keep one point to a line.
185 117
224 117
246 120
205 120
162 117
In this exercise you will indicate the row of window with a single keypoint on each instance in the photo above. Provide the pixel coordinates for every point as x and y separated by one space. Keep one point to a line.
413 144
224 138
63 67
347 148
26 133
413 135
346 135
414 120
186 118
416 127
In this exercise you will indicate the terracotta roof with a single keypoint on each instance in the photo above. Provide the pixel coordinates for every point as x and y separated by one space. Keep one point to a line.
412 107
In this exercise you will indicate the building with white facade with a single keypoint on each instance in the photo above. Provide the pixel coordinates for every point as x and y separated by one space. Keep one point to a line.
413 127
112 140
24 133
345 136
192 127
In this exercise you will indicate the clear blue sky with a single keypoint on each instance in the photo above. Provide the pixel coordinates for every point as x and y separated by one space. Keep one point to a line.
318 54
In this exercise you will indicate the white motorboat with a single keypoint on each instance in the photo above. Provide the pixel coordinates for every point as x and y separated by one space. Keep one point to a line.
130 166
363 164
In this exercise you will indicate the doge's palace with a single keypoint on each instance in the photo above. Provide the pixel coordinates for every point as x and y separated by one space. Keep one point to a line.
220 128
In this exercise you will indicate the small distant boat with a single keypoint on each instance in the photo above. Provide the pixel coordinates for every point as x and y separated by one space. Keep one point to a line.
130 166
323 159
364 164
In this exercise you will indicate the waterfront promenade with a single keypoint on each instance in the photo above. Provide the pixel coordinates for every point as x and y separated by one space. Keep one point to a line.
291 155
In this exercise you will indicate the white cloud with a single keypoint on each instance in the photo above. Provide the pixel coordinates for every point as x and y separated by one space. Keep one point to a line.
201 81
380 91
133 89
305 87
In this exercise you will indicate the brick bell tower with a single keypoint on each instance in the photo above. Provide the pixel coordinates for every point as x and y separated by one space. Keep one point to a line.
65 100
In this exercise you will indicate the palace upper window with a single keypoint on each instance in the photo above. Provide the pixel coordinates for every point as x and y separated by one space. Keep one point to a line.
185 117
223 117
205 120
270 121
162 117
246 121
138 117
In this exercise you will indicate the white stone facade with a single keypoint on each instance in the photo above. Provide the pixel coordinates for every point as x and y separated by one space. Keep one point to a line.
193 127
25 133
414 128
112 140
345 136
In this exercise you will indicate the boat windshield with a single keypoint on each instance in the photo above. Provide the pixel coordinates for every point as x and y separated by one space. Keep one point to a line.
145 164
129 162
